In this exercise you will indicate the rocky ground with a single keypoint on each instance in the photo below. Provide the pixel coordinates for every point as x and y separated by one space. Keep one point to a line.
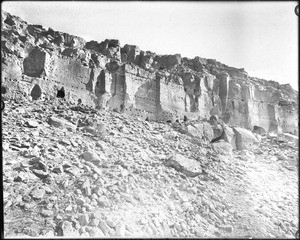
73 171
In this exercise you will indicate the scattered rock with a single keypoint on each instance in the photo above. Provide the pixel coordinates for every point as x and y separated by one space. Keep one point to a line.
46 213
244 138
189 167
37 193
57 122
32 124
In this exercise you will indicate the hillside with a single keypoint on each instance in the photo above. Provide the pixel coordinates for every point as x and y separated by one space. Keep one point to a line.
126 184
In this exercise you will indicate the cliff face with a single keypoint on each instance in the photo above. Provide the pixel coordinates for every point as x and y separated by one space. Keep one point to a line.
40 63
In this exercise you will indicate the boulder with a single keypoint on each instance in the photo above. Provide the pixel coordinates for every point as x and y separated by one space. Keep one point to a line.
244 138
202 130
187 166
90 156
230 136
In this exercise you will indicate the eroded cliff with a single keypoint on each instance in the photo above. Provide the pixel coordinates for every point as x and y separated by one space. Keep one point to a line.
44 63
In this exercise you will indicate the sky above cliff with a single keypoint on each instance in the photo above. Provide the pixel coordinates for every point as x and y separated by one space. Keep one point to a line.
261 37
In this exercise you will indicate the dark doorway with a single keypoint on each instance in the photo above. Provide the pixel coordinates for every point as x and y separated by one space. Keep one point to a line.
259 130
61 93
3 90
36 92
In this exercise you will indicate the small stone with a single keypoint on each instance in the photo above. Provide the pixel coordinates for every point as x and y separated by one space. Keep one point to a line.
90 156
58 217
127 197
58 169
171 206
47 189
26 198
83 219
5 146
120 229
69 208
67 230
95 232
37 193
103 201
32 124
104 227
41 174
21 177
226 228
49 234
94 222
46 213
178 226
111 223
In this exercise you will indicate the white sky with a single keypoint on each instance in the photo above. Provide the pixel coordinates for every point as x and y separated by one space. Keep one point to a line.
261 37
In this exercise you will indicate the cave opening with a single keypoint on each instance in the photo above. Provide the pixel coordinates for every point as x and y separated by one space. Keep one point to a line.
61 93
3 90
36 92
259 130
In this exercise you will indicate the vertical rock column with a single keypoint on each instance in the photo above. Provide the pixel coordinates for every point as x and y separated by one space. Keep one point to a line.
223 90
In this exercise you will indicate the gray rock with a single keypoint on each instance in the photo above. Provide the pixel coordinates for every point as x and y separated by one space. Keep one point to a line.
41 174
37 193
187 166
90 156
95 232
66 229
46 213
83 219
120 229
61 123
245 139
58 169
94 222
104 227
32 124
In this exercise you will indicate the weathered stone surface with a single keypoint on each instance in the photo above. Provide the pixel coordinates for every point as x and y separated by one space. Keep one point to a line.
244 138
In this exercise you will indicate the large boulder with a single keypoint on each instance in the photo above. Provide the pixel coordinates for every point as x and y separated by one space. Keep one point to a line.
187 166
244 138
229 136
201 130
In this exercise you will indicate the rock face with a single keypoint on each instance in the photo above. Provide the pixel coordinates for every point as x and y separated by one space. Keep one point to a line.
38 62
